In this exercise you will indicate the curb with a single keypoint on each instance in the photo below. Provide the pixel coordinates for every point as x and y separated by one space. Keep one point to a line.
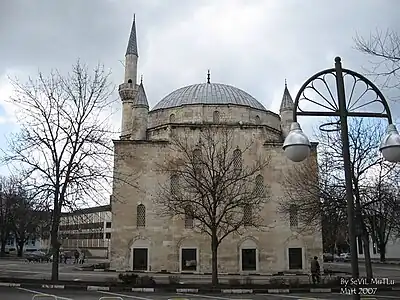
184 290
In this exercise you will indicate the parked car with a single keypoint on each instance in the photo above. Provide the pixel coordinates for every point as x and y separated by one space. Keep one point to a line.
37 256
344 257
328 257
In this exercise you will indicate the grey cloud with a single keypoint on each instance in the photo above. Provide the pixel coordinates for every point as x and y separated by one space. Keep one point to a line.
292 39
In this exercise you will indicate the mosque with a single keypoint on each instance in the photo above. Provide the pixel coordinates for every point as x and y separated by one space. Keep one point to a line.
141 240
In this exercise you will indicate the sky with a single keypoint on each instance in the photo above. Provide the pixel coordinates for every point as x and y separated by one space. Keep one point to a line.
251 44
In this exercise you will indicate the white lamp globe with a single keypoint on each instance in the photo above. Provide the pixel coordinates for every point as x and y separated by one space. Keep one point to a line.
296 146
390 146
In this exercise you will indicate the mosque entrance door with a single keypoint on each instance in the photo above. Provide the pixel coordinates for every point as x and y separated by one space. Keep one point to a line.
140 259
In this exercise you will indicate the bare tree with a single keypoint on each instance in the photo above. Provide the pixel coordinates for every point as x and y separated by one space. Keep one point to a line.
211 187
28 216
364 139
381 210
7 188
383 47
64 145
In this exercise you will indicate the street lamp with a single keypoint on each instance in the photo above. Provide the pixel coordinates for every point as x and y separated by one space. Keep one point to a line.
297 146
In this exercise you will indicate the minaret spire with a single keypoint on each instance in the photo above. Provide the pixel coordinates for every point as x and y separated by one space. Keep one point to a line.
287 101
132 43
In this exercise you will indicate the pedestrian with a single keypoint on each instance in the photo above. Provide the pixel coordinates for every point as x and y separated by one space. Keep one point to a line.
76 255
315 270
81 257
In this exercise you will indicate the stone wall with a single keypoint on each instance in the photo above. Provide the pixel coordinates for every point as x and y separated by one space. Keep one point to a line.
164 237
206 114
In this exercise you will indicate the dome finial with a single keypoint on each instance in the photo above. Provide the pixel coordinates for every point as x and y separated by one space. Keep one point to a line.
285 83
141 79
208 76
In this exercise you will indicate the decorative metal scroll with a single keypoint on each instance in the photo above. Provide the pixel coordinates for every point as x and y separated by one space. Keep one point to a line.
318 97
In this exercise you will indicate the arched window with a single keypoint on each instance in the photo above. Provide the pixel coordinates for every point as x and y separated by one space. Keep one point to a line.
197 160
247 215
188 217
258 120
216 117
172 118
130 81
237 160
294 218
174 184
141 216
259 188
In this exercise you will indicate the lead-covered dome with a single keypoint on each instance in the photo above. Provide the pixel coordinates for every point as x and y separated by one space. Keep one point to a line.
208 93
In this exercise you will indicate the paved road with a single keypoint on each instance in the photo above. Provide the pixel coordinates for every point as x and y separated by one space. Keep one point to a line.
388 271
28 294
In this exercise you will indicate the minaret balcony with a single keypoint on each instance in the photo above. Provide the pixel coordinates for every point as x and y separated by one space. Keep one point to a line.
127 91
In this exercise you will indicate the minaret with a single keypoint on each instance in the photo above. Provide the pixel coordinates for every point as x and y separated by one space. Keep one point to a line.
140 113
286 111
128 90
131 56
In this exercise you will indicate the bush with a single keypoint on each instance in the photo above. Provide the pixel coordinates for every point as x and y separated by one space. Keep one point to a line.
333 280
278 282
146 280
248 280
294 282
173 279
105 265
128 278
234 281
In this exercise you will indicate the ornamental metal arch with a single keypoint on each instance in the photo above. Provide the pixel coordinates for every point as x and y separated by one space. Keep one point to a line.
332 105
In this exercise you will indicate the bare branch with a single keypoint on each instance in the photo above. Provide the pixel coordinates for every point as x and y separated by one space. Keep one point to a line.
64 147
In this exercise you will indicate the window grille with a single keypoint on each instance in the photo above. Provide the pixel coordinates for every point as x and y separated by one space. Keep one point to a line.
216 117
174 184
188 217
247 214
259 188
294 219
141 216
237 160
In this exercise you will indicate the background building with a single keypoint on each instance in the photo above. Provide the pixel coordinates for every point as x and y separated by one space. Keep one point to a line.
87 229
143 240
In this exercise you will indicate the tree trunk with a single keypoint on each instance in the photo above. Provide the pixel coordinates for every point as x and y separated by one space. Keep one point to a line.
20 248
214 259
382 252
3 249
367 256
55 244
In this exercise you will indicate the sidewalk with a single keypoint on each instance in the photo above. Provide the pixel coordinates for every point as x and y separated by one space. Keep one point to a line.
386 262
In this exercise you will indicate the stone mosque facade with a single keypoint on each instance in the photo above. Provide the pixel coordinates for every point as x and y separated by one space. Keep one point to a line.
141 240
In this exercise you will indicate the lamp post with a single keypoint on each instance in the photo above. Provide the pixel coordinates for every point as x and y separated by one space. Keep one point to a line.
297 146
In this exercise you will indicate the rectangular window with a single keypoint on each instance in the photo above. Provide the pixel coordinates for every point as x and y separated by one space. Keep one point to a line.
374 250
360 245
140 256
108 225
108 235
249 260
295 258
189 259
